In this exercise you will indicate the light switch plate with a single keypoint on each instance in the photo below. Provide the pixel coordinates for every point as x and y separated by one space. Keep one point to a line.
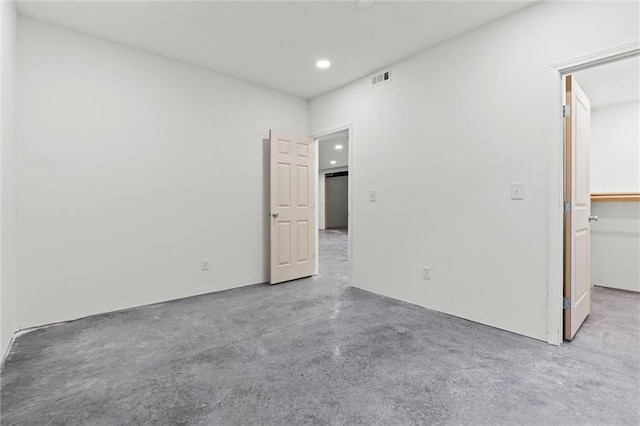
372 196
517 191
426 272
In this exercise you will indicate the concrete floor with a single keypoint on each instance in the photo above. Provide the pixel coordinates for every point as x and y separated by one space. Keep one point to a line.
317 351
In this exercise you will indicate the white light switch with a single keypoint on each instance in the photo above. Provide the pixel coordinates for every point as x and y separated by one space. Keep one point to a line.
426 272
517 191
372 196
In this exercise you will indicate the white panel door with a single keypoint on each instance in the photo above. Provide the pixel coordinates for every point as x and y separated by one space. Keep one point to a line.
292 214
577 287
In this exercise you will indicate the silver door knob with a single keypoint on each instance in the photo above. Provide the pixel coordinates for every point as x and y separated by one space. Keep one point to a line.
593 218
275 214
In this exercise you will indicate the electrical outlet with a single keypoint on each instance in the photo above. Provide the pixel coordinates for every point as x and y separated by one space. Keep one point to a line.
205 265
426 272
372 196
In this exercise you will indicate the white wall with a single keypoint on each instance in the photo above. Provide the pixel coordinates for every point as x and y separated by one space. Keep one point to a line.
442 142
615 167
7 175
615 245
615 148
132 169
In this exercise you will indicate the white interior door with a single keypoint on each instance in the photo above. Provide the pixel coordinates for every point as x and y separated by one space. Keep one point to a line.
292 213
577 286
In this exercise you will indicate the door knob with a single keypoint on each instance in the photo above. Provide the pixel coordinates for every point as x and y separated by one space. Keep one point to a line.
275 214
593 218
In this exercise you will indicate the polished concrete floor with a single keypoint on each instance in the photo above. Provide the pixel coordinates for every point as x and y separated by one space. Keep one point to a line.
316 351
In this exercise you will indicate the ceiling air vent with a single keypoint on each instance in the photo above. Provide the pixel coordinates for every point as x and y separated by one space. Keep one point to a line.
380 78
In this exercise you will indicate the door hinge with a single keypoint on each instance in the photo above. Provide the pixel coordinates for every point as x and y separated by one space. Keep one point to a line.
567 207
566 111
566 303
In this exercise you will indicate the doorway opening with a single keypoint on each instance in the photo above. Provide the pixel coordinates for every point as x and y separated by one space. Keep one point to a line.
334 221
601 209
333 182
298 213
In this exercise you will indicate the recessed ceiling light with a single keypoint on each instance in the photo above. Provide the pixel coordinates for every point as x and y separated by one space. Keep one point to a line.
333 161
338 146
323 64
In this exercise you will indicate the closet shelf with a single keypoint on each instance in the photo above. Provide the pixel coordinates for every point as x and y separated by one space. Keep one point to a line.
615 197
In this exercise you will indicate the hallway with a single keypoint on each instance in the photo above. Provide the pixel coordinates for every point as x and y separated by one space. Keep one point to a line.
318 351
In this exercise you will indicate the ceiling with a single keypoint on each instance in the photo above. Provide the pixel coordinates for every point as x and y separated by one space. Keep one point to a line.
611 83
328 151
276 44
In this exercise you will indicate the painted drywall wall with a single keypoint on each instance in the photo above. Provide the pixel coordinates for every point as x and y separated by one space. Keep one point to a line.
8 43
615 245
615 148
615 167
132 169
322 194
441 144
337 201
8 19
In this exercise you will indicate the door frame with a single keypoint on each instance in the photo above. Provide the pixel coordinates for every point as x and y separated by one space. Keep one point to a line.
316 137
557 73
